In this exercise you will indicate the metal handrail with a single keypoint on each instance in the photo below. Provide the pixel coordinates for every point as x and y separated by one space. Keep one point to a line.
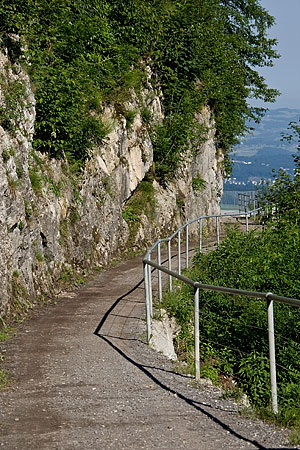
225 290
268 296
177 233
214 216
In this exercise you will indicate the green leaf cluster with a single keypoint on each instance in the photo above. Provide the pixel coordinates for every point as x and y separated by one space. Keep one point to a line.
198 183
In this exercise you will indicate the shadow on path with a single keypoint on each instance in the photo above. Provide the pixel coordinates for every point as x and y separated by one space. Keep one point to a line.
110 310
143 368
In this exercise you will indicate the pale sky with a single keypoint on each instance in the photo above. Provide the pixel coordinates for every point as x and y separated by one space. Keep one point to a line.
285 75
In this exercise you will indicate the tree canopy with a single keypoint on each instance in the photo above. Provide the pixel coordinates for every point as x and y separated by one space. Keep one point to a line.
82 54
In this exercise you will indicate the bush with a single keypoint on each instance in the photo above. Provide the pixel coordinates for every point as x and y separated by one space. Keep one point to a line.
235 328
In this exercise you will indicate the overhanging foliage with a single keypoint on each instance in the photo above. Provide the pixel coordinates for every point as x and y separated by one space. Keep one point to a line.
79 55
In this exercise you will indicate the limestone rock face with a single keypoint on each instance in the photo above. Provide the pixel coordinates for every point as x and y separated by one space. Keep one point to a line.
164 331
53 223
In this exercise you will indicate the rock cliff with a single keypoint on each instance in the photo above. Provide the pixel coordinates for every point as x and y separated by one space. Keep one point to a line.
54 223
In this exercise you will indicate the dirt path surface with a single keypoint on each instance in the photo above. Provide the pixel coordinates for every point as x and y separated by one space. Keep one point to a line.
85 379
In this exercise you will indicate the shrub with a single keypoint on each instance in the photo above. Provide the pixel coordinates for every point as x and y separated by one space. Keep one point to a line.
235 328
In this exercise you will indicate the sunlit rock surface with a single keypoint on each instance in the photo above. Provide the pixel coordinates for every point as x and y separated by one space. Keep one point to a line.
52 223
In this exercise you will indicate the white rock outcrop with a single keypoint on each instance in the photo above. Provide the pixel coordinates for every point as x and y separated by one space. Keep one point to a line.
51 225
164 330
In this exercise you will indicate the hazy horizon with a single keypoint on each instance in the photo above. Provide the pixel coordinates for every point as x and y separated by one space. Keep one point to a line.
284 75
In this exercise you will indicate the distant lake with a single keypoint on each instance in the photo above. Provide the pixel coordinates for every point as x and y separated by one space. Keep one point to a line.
259 153
264 150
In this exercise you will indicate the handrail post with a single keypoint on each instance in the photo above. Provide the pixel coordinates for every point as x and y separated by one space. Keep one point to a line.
159 272
201 233
187 246
247 223
218 230
148 313
272 354
179 252
150 286
196 329
170 264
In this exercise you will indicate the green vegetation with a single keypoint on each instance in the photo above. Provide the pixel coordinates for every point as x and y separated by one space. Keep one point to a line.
129 215
35 179
234 341
130 115
69 276
146 115
198 183
81 55
5 334
21 225
28 210
11 111
141 202
53 186
39 256
41 175
5 156
19 172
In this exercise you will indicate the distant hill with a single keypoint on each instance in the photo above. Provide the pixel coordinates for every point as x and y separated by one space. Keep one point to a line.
263 150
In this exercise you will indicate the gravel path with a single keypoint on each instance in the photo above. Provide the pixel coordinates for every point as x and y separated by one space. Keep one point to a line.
85 379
